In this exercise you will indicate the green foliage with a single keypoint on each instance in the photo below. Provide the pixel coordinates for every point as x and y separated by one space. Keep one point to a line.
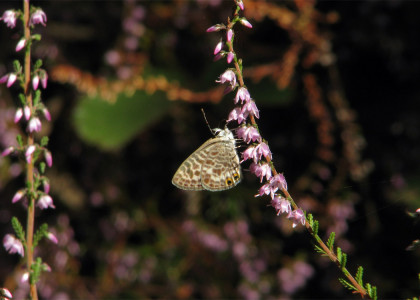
44 141
371 290
111 126
38 64
359 275
17 66
40 233
37 97
42 167
22 99
347 284
319 250
343 260
36 37
330 242
19 140
36 271
17 227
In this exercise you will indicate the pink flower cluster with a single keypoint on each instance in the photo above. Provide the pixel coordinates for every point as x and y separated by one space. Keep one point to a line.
257 151
29 113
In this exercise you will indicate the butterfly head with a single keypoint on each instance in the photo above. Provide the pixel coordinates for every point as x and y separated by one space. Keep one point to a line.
225 134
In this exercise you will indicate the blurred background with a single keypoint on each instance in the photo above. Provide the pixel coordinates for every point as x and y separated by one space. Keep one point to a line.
337 86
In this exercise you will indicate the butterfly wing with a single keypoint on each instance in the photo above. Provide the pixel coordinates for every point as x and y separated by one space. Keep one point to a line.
220 168
188 175
214 166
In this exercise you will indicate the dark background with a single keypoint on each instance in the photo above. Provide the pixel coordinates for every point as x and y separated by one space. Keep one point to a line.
126 232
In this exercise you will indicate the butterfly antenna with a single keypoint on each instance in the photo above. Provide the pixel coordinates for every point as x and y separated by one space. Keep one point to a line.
204 115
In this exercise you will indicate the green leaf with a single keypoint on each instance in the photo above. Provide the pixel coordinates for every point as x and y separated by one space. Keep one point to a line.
359 275
42 167
40 233
330 242
343 260
319 250
36 271
38 64
111 126
20 233
22 99
374 294
315 227
19 140
347 284
17 66
44 141
339 254
368 288
37 97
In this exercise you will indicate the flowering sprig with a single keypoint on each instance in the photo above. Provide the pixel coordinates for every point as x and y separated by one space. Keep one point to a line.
35 154
245 114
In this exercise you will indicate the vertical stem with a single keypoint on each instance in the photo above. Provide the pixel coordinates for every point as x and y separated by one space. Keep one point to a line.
30 166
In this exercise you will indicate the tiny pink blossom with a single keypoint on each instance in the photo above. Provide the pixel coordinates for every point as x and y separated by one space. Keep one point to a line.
13 245
18 115
248 153
28 154
279 181
5 293
264 190
230 57
9 78
261 150
27 112
243 95
52 238
34 125
248 134
19 195
216 27
245 22
46 186
228 76
44 79
24 277
7 151
46 113
229 35
251 108
38 17
219 56
45 201
4 78
237 114
240 4
9 18
48 158
218 47
46 267
21 44
228 89
261 170
35 82
281 205
297 216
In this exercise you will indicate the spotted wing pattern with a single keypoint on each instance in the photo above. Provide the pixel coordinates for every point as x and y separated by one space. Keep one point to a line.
214 167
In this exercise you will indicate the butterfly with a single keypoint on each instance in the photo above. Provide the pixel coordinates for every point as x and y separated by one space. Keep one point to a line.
214 166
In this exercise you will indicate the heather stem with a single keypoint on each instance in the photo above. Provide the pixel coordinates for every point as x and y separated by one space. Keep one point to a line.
308 226
30 165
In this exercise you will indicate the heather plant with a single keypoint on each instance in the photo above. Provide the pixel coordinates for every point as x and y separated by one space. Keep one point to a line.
126 82
275 185
30 147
